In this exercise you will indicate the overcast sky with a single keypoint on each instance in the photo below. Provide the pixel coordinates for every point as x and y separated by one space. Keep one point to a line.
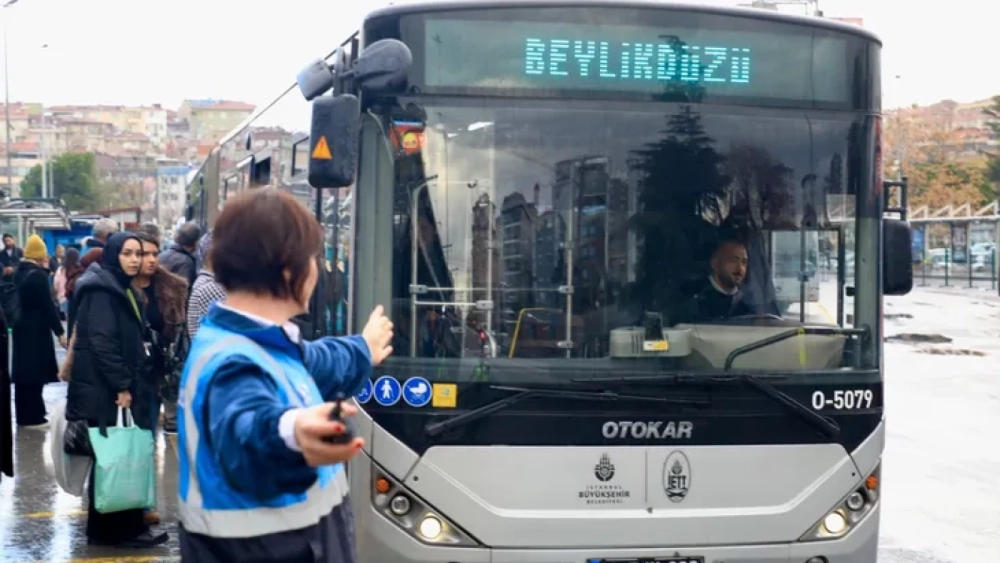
148 51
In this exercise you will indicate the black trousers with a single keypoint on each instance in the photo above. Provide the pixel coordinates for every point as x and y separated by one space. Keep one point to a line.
28 404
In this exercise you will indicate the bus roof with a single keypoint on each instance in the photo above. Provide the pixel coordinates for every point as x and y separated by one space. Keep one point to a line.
425 6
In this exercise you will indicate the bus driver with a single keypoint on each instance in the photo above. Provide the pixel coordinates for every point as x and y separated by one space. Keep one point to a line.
717 297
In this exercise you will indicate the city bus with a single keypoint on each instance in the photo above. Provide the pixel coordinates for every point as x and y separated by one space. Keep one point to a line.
529 188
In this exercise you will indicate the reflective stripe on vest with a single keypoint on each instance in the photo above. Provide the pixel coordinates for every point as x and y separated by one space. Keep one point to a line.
249 522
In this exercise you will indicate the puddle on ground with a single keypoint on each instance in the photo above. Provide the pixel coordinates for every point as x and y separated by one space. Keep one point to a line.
916 338
950 352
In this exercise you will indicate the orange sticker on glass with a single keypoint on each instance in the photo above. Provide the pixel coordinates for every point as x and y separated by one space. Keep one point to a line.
409 137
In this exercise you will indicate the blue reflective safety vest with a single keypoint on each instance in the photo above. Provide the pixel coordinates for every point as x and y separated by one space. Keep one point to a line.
208 505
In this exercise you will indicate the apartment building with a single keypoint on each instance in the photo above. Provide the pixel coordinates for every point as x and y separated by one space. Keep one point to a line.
169 198
142 152
150 121
210 120
23 157
963 128
132 175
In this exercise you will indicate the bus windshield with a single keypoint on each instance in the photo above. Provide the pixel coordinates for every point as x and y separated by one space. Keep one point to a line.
543 230
795 267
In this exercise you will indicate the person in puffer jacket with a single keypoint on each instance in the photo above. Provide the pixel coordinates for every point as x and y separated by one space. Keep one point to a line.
258 480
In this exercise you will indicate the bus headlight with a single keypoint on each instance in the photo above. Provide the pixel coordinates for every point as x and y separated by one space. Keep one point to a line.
852 509
835 523
855 501
430 528
399 505
403 508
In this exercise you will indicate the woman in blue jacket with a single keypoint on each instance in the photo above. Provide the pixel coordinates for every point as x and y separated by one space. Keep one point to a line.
258 482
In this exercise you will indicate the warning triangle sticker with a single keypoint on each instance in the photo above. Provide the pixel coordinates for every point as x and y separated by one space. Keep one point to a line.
322 150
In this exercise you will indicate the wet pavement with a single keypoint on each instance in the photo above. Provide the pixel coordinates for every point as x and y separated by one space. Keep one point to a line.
41 523
941 497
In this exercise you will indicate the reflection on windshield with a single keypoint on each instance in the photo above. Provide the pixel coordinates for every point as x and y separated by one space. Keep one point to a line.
545 232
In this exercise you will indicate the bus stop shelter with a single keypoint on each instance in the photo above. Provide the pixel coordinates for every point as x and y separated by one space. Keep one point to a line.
22 217
957 245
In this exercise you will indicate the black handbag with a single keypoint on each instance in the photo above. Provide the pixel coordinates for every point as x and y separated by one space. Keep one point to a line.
76 439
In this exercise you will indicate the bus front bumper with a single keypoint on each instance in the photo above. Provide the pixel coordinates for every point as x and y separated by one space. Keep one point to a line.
382 542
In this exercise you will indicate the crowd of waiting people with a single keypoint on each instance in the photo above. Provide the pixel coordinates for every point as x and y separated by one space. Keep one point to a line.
127 298
270 484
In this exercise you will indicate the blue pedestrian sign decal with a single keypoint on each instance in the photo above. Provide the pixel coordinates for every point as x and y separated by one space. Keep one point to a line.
365 394
387 391
417 392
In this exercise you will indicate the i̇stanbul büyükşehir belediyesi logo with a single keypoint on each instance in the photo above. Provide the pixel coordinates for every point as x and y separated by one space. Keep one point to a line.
604 493
604 470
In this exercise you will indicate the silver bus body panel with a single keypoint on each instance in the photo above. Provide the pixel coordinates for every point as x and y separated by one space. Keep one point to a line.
381 541
397 459
869 454
530 497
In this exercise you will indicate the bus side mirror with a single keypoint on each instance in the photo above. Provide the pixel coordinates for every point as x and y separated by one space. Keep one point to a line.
382 67
897 257
333 141
315 79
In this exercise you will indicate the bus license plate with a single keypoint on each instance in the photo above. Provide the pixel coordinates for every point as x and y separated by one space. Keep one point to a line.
689 559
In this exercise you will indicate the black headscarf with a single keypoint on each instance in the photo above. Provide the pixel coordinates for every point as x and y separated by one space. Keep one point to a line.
112 248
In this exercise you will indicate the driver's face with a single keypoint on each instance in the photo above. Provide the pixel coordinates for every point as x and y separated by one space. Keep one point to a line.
730 265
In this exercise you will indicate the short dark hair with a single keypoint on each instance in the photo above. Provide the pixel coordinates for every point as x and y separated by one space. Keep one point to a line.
188 234
258 236
147 238
150 229
726 242
7 235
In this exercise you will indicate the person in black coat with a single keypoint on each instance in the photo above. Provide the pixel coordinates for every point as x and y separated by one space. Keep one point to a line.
10 256
6 432
34 364
108 354
179 259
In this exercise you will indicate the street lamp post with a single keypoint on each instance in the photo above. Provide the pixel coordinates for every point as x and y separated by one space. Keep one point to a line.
6 102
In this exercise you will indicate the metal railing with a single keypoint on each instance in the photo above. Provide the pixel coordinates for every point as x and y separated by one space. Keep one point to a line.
972 271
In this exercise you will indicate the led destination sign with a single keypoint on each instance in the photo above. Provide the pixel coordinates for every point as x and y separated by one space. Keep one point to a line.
771 61
603 60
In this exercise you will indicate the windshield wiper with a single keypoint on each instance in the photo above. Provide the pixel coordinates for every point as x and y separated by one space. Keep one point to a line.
523 393
828 426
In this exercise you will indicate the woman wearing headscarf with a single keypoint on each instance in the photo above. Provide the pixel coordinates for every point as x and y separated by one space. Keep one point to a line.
107 361
34 364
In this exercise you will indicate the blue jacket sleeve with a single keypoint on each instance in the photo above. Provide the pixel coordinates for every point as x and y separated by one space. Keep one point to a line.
243 413
339 364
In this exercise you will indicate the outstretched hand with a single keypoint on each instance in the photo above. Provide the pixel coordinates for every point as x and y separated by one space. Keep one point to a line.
313 425
378 335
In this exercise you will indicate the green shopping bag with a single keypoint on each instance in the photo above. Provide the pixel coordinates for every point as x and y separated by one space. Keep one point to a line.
124 471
